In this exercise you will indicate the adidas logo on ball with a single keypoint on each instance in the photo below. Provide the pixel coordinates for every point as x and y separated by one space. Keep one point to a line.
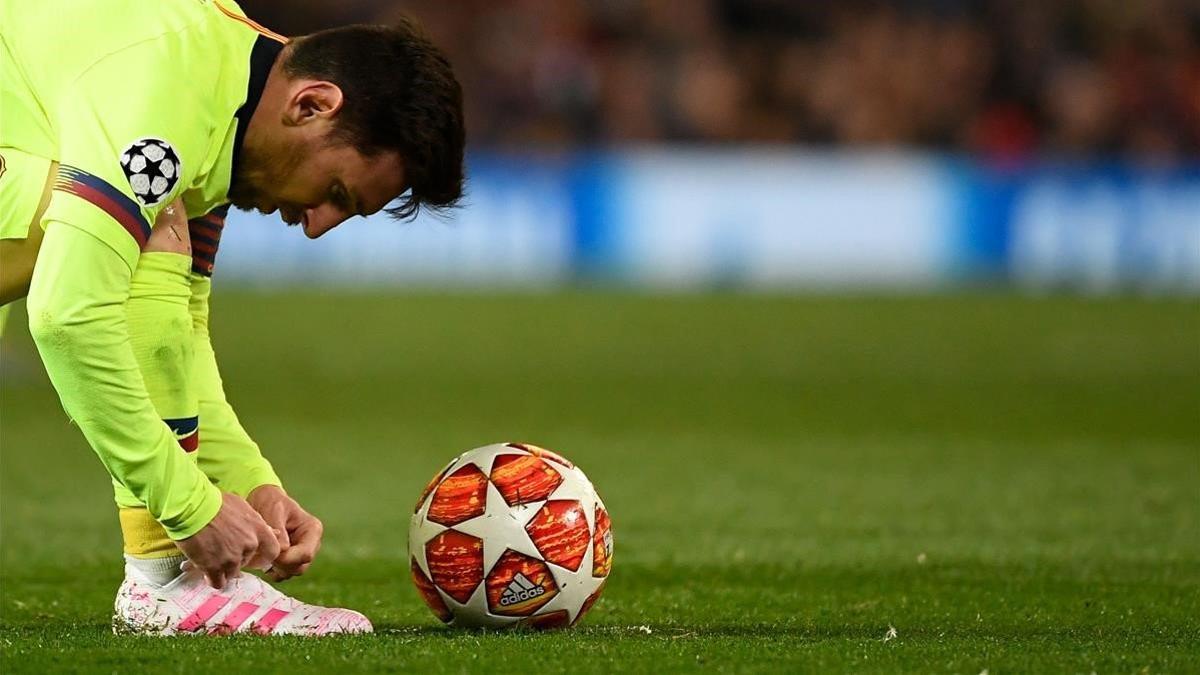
520 589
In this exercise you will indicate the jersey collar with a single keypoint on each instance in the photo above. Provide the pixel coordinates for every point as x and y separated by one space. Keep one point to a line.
262 59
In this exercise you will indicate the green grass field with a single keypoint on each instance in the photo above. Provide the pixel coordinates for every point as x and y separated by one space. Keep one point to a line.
1011 484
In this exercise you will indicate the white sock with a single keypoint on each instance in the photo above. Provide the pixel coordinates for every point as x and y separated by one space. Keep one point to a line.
158 571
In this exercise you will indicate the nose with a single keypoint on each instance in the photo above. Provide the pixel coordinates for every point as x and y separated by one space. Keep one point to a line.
319 220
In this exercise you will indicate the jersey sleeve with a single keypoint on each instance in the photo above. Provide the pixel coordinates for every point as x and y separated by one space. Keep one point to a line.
77 316
230 458
126 146
125 152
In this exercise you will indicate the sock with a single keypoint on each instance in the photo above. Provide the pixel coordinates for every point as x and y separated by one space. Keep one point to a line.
148 549
144 536
158 571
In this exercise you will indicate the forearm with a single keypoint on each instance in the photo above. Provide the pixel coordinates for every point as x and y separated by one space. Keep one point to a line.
160 328
227 453
77 306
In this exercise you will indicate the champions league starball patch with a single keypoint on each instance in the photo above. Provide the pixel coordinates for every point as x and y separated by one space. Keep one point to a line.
152 169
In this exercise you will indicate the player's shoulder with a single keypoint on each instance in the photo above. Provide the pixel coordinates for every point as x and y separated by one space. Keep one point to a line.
193 40
191 29
90 31
103 26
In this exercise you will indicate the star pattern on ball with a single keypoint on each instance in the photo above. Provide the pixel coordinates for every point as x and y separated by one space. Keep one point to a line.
502 527
504 541
573 586
485 458
421 529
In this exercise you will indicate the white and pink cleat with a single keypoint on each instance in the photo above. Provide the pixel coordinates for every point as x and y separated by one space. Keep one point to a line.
189 606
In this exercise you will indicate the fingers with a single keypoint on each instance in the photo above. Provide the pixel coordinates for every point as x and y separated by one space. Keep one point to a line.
275 517
296 532
267 550
269 545
216 579
281 536
279 573
261 543
237 537
275 507
220 575
306 542
291 564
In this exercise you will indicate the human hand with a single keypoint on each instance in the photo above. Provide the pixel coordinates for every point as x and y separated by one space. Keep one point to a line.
300 531
237 537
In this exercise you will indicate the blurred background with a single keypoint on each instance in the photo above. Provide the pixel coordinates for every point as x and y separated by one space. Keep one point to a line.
858 315
774 143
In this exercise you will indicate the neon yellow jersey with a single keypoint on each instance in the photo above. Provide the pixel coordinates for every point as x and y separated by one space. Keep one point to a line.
137 101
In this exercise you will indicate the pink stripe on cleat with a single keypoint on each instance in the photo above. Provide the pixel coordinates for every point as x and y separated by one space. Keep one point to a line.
267 624
236 618
198 618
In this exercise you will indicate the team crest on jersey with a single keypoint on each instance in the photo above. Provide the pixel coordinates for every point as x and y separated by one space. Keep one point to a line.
152 168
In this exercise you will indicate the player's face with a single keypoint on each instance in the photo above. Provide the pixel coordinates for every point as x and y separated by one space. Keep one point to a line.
319 188
299 169
334 183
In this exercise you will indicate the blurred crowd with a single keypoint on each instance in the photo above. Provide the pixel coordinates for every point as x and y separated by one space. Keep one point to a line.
1002 78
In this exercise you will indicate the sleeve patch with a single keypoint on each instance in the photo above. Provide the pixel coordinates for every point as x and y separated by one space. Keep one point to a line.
105 197
187 432
152 168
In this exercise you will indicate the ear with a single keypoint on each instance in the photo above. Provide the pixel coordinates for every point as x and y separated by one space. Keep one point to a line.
312 101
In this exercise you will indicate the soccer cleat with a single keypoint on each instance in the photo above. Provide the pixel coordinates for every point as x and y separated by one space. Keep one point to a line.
189 606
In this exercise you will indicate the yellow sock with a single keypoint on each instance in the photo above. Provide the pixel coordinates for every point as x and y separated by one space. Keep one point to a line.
144 536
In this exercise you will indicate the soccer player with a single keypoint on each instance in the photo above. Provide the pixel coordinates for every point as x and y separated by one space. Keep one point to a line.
117 114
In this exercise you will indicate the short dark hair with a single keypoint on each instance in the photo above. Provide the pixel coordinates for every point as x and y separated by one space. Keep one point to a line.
399 94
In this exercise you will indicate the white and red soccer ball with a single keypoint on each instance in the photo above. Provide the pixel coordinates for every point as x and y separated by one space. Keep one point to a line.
510 534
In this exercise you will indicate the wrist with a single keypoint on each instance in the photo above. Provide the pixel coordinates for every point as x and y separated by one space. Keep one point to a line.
205 510
266 490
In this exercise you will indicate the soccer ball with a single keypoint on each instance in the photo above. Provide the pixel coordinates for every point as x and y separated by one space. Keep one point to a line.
507 535
152 169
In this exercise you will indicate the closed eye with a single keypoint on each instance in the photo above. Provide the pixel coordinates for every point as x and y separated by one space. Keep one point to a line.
342 198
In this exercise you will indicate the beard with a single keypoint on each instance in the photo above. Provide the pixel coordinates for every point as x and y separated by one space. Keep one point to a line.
257 169
244 192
